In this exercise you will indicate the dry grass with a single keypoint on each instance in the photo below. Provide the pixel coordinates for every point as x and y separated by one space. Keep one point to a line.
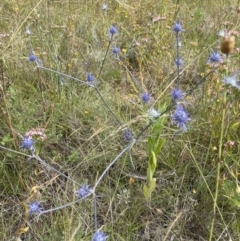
83 137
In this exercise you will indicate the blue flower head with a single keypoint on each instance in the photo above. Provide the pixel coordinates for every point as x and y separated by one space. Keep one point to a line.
113 30
177 27
178 61
32 57
214 58
34 207
27 143
177 95
83 191
116 50
127 135
99 236
91 80
146 98
180 117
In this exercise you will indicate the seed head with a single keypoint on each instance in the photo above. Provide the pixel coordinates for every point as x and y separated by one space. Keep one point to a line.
227 44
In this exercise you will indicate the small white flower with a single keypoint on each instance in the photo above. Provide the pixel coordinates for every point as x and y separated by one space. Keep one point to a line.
222 33
153 114
232 80
104 6
179 44
28 31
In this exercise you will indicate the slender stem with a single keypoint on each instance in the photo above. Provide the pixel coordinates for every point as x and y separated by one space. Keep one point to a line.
172 225
41 90
63 206
178 58
65 75
95 212
146 127
219 160
130 156
106 104
205 181
109 43
30 41
55 170
226 229
116 158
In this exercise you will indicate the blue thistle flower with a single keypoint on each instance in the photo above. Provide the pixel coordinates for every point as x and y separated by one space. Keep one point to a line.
116 50
34 207
180 117
178 61
214 58
27 143
32 57
83 191
91 79
127 135
99 236
146 97
176 95
177 27
113 30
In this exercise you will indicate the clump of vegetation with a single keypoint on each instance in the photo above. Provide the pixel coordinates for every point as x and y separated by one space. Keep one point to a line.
119 120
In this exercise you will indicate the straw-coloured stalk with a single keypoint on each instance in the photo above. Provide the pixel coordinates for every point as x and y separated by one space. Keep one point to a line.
227 44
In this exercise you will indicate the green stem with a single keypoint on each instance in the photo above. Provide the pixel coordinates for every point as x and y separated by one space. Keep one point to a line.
109 43
219 160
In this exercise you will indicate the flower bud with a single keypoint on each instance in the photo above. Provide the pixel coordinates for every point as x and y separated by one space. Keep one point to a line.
227 44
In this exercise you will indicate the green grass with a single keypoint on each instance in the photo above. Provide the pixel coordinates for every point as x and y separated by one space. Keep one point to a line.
83 137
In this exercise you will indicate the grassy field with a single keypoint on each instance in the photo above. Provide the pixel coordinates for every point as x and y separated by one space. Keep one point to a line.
93 143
